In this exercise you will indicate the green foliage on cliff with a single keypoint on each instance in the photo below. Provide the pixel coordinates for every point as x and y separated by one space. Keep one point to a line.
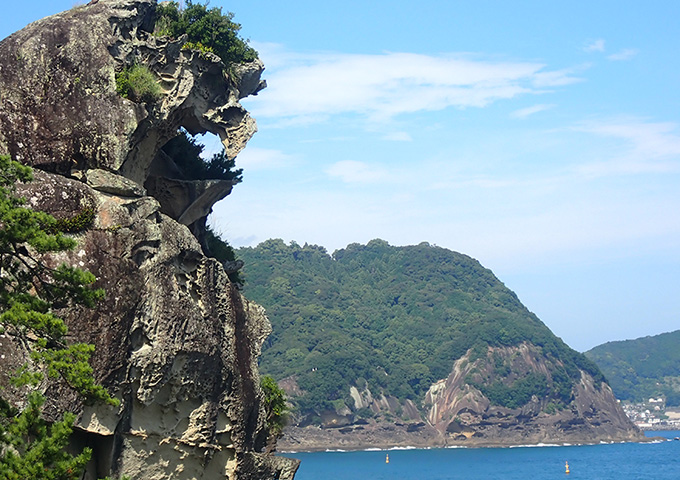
77 223
30 292
274 404
207 29
642 368
198 46
40 447
219 249
394 318
516 394
138 83
186 151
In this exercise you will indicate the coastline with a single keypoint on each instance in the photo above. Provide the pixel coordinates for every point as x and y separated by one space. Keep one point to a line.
396 437
603 461
655 439
658 428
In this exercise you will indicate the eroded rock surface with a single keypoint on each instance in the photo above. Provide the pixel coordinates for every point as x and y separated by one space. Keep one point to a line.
464 415
175 340
60 110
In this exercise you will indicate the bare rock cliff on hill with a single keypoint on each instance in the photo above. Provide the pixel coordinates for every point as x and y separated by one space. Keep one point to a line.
459 411
175 341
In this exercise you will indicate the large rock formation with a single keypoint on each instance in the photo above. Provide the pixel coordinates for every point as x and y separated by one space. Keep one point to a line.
175 341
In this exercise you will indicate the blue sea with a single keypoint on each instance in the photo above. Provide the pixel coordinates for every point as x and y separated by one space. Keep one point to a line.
620 461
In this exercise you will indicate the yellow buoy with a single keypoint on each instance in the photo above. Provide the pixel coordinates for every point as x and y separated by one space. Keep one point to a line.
387 458
566 467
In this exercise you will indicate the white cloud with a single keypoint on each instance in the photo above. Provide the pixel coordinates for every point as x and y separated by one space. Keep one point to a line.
383 86
253 158
652 147
557 78
352 171
625 54
595 46
654 139
525 112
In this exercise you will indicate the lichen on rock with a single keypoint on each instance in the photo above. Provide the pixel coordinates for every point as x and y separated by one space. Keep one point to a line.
175 340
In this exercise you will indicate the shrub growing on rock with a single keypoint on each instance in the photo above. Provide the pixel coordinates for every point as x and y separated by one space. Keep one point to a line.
206 29
185 151
138 83
275 405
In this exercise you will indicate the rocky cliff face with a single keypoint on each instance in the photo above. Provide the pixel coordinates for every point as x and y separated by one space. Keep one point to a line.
175 341
462 413
456 411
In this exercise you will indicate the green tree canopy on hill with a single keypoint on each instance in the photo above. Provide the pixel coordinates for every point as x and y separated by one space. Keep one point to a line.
395 318
642 368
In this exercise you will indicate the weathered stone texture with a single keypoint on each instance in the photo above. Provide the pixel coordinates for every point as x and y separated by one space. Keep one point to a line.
464 415
175 340
60 110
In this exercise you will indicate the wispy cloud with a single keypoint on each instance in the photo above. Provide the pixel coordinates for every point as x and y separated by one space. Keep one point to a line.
654 139
526 112
649 147
599 46
380 87
625 54
253 158
595 46
558 78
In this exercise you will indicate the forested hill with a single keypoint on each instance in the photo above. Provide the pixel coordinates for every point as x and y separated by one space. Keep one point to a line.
393 319
642 368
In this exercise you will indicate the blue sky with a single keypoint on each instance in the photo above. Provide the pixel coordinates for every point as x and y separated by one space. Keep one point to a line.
541 139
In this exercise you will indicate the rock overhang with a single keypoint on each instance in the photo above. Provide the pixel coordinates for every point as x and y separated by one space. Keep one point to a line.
61 112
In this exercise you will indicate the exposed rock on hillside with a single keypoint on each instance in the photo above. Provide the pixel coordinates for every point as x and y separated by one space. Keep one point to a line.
461 412
175 341
457 413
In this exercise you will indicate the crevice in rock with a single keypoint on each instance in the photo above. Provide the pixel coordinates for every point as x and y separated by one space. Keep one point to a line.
138 340
242 341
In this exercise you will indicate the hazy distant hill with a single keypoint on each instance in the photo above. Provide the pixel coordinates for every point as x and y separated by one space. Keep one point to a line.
642 368
394 319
